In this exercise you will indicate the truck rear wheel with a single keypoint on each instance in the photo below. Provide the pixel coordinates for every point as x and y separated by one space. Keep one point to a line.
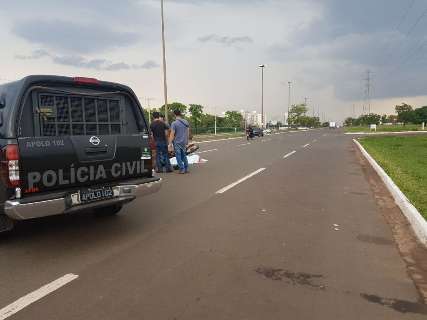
108 211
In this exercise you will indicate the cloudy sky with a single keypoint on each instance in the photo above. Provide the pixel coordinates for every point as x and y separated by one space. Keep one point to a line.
214 47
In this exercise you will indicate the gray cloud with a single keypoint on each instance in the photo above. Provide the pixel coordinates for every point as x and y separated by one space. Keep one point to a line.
360 38
68 36
225 40
81 62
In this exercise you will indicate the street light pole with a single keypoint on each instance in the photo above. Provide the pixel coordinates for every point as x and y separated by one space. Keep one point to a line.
262 66
289 100
165 86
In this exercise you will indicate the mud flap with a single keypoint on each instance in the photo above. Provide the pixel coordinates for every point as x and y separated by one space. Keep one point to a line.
6 224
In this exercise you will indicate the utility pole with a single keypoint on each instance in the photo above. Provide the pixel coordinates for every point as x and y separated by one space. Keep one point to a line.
262 66
148 107
289 100
367 102
165 86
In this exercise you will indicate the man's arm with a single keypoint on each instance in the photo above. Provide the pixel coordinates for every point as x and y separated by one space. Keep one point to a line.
171 135
188 135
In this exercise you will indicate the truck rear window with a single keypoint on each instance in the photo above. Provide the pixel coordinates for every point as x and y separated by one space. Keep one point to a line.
64 115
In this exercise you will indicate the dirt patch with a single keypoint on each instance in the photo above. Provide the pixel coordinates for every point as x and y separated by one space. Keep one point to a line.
374 240
412 251
294 278
401 306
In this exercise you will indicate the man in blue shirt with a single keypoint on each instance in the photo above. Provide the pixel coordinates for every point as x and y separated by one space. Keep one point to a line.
180 131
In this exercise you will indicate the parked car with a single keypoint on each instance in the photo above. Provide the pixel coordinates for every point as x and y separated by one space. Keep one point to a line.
68 145
267 131
258 132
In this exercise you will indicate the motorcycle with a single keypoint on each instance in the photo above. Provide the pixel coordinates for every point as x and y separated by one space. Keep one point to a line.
250 135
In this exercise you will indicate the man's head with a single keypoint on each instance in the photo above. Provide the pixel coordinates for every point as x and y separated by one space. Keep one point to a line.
156 115
177 113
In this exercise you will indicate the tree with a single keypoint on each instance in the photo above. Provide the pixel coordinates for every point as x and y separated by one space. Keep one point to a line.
234 119
403 108
405 113
296 112
349 121
421 114
384 118
196 111
174 106
371 118
392 118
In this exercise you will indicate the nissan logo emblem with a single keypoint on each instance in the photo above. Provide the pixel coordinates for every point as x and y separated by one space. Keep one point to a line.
95 140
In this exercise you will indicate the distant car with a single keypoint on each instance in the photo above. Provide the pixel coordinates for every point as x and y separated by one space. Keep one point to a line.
258 132
267 131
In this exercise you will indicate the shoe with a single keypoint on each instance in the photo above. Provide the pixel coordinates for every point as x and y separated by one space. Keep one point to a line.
186 171
158 171
169 170
181 172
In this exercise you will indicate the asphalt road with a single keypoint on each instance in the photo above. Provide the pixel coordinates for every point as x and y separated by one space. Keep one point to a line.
302 238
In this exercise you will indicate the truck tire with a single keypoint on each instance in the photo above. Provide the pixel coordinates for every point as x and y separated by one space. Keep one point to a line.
108 211
6 223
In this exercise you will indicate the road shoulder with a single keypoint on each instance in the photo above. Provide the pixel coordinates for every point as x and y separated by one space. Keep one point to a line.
412 251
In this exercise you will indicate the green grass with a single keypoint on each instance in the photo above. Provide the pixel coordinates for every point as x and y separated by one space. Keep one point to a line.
381 128
206 137
405 161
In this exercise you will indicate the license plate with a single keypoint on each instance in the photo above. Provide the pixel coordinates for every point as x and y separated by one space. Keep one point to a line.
96 194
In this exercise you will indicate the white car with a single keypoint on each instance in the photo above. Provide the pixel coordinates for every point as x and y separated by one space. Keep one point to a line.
267 131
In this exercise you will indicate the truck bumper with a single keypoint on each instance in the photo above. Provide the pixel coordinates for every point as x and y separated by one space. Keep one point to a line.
123 193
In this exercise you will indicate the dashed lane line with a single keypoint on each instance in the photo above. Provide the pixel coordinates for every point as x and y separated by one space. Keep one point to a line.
306 145
232 185
36 295
200 152
243 144
289 154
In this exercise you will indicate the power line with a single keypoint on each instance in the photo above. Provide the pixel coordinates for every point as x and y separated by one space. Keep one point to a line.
403 18
423 14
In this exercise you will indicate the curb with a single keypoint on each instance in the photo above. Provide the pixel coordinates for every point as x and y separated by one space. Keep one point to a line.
379 133
416 220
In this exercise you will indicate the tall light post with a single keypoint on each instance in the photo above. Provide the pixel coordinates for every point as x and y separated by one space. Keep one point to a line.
262 66
243 112
165 86
289 100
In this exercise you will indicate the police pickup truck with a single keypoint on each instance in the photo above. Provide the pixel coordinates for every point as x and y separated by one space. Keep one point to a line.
70 144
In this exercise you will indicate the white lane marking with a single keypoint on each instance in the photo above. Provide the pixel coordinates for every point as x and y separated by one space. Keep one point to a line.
232 185
315 140
225 139
206 151
289 154
244 144
306 145
36 295
265 140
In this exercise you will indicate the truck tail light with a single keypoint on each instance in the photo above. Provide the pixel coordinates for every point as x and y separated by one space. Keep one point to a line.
10 166
84 80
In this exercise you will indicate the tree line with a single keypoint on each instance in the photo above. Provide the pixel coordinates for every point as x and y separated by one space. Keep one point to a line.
202 122
405 114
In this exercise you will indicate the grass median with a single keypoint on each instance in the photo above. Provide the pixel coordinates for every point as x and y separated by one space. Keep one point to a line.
405 161
382 128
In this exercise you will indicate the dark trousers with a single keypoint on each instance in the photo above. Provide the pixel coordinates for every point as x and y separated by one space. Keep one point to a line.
162 156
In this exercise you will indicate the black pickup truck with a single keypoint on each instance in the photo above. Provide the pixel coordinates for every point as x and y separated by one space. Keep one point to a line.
70 144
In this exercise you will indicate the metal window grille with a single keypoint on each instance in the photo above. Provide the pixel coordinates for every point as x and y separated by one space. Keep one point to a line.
62 115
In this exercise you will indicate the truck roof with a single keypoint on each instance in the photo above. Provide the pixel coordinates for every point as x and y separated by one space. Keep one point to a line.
11 95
